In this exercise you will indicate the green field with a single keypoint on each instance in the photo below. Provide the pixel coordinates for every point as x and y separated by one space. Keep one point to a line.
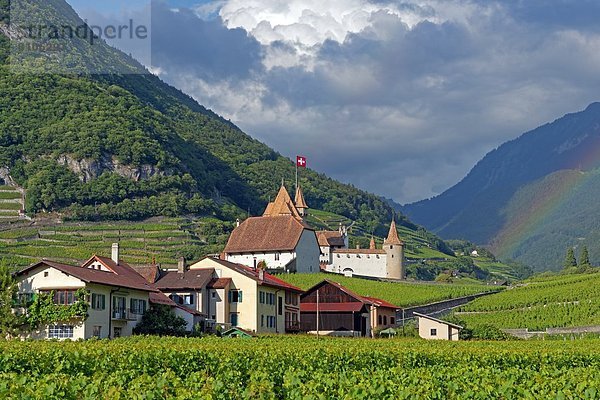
561 301
164 239
298 367
401 294
9 195
10 206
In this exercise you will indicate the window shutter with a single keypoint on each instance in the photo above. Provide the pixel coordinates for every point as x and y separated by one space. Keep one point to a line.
132 304
94 297
240 296
103 298
191 299
143 306
229 296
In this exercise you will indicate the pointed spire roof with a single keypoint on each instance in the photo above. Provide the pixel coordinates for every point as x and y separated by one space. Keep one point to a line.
282 205
372 244
392 237
299 201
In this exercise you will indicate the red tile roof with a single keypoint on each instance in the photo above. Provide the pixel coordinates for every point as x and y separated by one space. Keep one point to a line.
393 235
194 279
219 283
161 298
122 276
330 238
269 280
262 234
380 303
332 307
150 272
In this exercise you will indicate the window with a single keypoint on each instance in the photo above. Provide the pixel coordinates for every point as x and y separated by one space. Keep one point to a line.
45 274
271 321
262 320
280 306
276 256
233 318
188 299
291 298
379 320
117 332
392 321
214 294
97 331
385 319
433 332
137 306
235 296
98 301
60 331
118 307
62 297
262 297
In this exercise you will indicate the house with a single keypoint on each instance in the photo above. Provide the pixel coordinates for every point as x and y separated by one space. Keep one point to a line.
332 309
237 333
386 263
435 329
279 239
118 295
248 298
330 241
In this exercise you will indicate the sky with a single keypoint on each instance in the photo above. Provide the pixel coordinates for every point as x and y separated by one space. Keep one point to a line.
400 98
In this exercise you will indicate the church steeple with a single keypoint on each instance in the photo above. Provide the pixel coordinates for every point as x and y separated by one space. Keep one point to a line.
299 202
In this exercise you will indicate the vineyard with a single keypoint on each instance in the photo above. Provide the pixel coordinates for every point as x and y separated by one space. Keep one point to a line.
298 368
401 294
564 301
162 239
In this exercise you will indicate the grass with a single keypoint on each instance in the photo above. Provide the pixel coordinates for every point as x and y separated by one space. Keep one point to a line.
400 294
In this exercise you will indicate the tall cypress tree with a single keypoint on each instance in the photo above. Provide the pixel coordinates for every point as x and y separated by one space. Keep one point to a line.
570 260
584 258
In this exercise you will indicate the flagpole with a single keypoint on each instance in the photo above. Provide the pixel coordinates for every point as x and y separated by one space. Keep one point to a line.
296 175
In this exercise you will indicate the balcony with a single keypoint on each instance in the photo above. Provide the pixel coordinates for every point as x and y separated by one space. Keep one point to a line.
124 314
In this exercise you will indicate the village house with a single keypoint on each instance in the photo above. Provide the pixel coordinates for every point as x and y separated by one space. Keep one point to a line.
331 309
435 329
279 240
235 295
118 295
386 263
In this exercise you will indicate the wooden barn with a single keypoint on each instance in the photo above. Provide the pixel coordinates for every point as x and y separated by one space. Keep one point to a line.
340 311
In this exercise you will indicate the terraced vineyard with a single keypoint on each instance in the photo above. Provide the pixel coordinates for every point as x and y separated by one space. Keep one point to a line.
298 367
401 294
11 201
164 239
563 301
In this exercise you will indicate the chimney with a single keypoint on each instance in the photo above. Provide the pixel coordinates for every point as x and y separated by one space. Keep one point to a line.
115 253
261 274
358 247
237 222
181 265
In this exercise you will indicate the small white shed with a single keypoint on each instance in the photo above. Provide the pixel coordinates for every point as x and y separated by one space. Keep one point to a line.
435 329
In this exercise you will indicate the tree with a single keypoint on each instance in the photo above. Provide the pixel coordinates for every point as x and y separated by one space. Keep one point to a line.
8 291
570 260
584 259
161 320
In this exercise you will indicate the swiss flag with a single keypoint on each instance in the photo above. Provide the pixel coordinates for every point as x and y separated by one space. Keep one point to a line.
301 161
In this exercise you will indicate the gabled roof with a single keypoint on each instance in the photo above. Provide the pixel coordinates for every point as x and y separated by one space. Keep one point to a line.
161 298
332 307
437 320
381 303
149 272
262 234
194 279
299 200
330 238
219 283
122 276
269 280
392 237
282 205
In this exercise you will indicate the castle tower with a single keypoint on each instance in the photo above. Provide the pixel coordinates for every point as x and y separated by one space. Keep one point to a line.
299 202
282 205
394 249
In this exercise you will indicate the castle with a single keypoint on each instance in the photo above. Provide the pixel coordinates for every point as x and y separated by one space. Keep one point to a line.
281 240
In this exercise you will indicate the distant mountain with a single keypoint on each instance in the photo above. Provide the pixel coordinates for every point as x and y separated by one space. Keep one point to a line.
530 198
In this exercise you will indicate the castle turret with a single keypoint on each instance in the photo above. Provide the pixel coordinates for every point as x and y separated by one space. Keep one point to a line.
394 249
299 202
